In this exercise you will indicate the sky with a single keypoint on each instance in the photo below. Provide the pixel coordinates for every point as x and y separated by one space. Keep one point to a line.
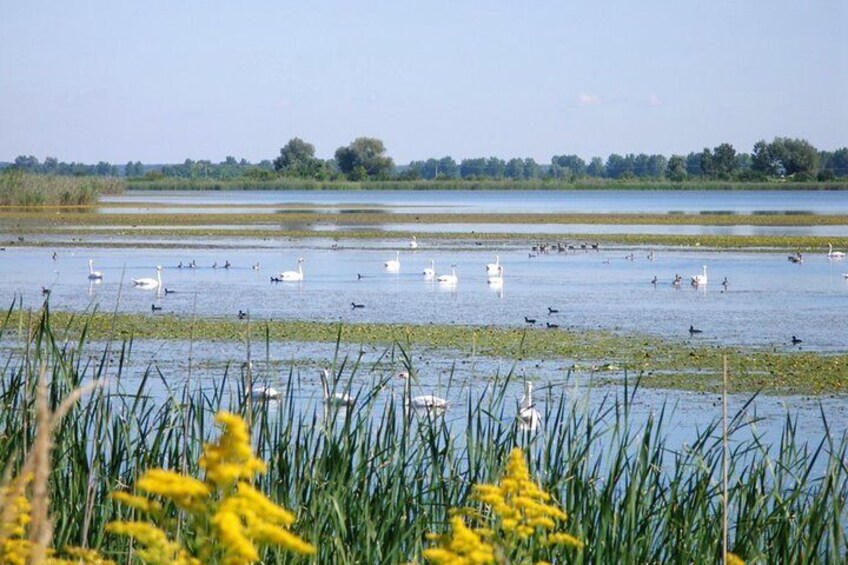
163 81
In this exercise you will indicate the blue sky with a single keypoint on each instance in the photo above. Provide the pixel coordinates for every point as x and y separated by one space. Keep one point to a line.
162 81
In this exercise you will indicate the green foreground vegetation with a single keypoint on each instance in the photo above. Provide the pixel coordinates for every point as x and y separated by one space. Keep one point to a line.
605 355
367 484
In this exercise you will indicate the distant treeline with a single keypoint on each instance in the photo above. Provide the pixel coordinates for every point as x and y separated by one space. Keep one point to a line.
364 160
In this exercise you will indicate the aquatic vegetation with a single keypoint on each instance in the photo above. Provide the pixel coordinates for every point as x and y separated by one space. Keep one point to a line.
368 483
19 189
661 363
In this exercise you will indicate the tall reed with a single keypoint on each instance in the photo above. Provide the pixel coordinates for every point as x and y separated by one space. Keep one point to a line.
368 483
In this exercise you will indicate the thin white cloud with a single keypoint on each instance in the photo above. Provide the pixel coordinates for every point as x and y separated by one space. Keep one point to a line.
588 99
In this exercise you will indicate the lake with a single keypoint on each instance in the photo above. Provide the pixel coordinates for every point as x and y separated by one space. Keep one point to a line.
499 201
767 299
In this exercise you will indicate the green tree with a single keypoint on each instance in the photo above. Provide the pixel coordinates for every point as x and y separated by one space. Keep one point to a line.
797 157
297 159
364 156
596 167
676 170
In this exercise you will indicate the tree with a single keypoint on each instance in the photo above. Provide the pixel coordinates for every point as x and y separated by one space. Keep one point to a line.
298 159
515 168
596 167
568 166
495 168
532 170
657 165
472 168
619 167
693 165
364 157
798 157
724 161
676 170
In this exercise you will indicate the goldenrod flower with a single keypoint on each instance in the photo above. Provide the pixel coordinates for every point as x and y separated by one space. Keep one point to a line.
186 492
464 547
156 548
519 502
733 559
14 547
239 515
518 510
137 502
231 458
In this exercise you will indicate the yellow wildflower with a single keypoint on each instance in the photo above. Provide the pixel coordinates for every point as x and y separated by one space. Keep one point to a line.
14 547
464 547
80 556
231 458
733 559
561 538
137 502
156 547
518 501
518 510
186 492
239 515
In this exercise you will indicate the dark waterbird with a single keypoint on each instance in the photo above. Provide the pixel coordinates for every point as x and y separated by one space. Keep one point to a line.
551 326
796 340
693 331
552 310
242 315
154 308
529 320
354 305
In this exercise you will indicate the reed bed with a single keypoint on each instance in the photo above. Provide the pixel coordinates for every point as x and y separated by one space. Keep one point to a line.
24 190
369 482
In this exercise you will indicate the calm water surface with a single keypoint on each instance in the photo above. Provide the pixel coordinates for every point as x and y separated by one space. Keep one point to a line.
498 201
767 301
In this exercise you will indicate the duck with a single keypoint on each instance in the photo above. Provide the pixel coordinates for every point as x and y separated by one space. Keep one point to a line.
796 340
413 243
693 330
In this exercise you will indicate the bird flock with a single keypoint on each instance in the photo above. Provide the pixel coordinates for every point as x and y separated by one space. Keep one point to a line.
494 276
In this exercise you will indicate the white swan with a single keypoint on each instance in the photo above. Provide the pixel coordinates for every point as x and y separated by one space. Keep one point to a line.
492 268
430 272
496 279
148 282
393 265
528 417
413 243
336 398
92 274
834 254
425 401
698 280
449 279
293 275
260 392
